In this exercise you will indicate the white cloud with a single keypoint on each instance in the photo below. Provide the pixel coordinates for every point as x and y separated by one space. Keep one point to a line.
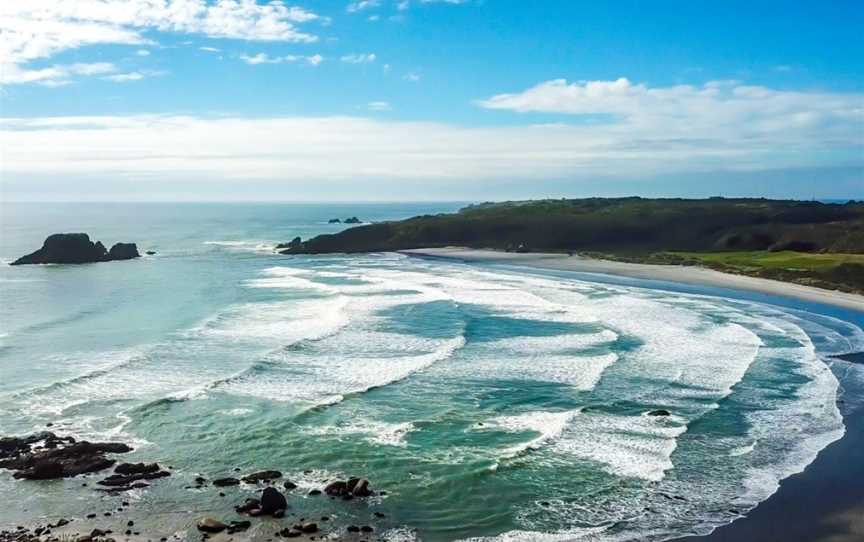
360 5
359 58
718 112
373 18
210 49
378 106
53 76
34 29
413 77
264 58
142 52
802 130
124 77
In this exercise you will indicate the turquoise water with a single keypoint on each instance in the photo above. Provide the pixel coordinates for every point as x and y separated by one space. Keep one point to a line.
487 401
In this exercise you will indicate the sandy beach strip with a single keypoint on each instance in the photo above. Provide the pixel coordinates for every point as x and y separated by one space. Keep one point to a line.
699 276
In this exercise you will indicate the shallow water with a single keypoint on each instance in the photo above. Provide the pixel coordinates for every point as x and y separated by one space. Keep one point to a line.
487 401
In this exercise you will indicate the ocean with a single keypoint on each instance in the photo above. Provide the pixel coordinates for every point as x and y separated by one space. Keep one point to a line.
488 402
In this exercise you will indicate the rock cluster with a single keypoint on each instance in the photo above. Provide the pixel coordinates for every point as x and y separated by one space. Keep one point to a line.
77 248
45 456
130 475
353 487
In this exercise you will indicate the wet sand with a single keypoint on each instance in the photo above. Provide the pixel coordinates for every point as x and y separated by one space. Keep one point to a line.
673 273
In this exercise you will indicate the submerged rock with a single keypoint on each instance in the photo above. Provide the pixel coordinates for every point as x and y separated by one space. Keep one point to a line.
211 525
224 482
71 248
660 412
263 476
353 487
137 468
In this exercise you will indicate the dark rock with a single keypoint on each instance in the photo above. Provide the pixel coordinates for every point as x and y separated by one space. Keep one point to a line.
265 475
353 487
123 251
136 468
315 492
290 533
336 488
248 506
289 485
660 412
238 526
352 220
224 482
128 479
353 529
74 248
271 501
150 252
366 529
295 243
334 221
379 515
210 525
307 528
361 489
61 458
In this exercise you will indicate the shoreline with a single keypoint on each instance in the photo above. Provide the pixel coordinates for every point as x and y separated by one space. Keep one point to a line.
696 276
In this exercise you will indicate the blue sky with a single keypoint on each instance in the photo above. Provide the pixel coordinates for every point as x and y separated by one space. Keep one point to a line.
434 99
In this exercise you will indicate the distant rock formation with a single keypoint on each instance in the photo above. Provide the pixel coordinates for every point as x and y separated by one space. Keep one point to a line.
334 221
77 248
353 220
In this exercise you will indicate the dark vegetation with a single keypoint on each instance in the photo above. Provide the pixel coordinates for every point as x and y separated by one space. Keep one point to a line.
635 229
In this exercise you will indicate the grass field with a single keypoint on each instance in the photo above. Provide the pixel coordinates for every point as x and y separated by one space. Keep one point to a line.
788 260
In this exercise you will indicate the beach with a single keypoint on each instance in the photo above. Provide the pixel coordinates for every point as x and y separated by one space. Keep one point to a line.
673 273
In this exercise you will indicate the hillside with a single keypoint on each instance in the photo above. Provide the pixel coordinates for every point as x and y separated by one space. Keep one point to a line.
636 229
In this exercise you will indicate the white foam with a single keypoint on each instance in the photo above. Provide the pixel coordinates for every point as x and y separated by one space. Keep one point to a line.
632 446
327 377
374 432
248 245
548 426
574 534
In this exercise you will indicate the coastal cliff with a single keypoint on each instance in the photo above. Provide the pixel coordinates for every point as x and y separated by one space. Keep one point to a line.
77 248
820 244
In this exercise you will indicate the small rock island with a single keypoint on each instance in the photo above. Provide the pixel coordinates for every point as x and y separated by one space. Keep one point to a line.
77 248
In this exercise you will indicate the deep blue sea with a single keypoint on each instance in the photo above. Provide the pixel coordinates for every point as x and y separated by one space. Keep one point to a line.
488 402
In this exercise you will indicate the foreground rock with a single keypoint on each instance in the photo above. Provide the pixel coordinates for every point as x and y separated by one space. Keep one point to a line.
262 476
271 503
127 474
210 525
45 456
353 487
77 248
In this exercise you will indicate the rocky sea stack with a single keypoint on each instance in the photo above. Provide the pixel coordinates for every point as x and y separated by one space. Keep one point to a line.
77 248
